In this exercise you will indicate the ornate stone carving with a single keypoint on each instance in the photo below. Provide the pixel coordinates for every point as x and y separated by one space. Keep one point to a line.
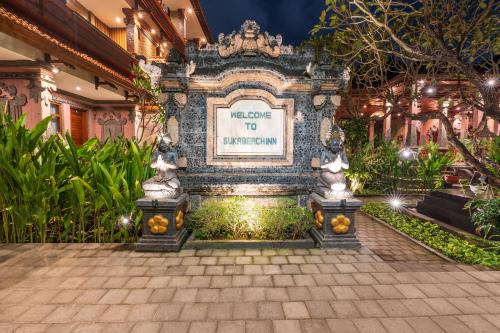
335 100
112 125
15 102
153 71
165 161
320 219
249 42
173 129
340 224
190 68
324 131
333 161
158 225
180 99
319 101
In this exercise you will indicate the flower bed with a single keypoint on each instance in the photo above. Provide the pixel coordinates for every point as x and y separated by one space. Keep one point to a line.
241 218
433 236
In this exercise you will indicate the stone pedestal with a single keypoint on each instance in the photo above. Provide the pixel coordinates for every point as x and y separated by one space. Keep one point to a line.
163 224
325 211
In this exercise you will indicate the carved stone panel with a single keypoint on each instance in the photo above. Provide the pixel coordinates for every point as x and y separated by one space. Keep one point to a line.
112 125
173 129
14 101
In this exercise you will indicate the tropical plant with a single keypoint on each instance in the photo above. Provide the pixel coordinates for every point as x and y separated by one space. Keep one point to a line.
431 163
486 216
242 218
53 191
392 45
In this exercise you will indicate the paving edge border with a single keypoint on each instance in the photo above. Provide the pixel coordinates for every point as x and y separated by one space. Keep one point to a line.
428 248
191 243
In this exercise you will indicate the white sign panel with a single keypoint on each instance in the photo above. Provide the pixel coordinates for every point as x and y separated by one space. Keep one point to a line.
250 127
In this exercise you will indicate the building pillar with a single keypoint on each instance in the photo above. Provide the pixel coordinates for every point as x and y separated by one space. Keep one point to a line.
442 138
65 111
464 126
387 123
477 116
371 133
181 14
131 30
413 123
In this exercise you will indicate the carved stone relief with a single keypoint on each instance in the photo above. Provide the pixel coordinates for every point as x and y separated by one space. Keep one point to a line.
180 99
15 102
112 125
319 101
249 42
173 129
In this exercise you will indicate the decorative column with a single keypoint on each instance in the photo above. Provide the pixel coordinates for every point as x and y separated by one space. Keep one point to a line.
387 123
181 15
371 132
413 123
131 30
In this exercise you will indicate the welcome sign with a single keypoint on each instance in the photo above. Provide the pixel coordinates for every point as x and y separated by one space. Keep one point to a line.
250 128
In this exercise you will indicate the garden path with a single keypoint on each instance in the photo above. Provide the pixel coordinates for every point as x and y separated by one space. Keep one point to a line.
389 285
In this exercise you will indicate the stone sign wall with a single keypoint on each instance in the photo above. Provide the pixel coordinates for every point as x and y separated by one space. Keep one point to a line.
249 112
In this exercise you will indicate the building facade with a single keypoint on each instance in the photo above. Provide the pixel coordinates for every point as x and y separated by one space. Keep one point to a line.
71 59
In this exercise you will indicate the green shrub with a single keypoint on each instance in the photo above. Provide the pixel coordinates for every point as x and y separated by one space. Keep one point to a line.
53 191
486 217
436 238
241 218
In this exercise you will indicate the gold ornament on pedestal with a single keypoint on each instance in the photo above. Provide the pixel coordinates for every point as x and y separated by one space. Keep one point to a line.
340 224
179 220
319 219
158 225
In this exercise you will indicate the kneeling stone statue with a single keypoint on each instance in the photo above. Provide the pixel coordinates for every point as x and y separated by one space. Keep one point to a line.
333 161
165 183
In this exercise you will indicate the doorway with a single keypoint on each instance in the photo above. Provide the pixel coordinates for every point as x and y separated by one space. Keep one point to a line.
79 126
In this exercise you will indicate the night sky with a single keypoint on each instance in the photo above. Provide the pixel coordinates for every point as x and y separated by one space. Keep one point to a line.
293 19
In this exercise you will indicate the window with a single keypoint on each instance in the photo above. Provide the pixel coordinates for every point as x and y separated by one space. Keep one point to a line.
55 121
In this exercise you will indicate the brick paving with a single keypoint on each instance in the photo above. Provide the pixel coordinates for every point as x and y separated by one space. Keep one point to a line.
389 285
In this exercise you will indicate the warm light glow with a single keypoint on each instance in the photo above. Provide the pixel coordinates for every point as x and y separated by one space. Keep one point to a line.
140 15
395 203
190 11
203 40
153 31
421 81
430 90
491 82
165 44
118 20
55 70
124 220
78 88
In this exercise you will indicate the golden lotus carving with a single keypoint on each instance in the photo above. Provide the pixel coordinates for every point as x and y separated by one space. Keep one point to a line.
179 220
320 219
158 225
340 224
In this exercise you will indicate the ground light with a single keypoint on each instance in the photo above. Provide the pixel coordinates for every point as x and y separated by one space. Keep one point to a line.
396 201
124 220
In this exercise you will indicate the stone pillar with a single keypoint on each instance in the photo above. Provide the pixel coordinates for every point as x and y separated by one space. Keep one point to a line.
371 132
131 29
65 118
387 123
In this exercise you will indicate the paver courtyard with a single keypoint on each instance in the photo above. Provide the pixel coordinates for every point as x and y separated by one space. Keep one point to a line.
106 288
